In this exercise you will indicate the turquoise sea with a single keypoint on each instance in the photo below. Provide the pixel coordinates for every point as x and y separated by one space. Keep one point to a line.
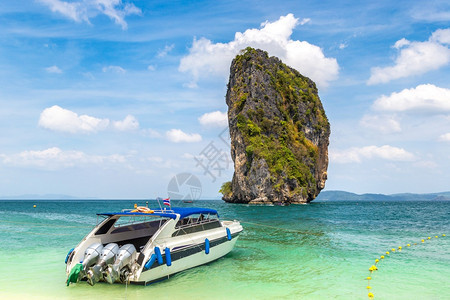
318 251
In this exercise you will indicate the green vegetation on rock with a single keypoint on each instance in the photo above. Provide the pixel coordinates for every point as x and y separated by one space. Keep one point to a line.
225 190
288 156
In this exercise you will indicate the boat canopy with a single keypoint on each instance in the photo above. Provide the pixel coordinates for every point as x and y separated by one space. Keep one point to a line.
167 213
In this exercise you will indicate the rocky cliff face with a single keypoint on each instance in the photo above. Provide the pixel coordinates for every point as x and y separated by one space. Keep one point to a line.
279 132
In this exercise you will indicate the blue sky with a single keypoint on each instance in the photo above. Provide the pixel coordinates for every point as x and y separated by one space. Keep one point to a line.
113 98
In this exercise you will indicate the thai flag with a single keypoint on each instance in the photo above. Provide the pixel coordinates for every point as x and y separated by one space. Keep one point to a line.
167 201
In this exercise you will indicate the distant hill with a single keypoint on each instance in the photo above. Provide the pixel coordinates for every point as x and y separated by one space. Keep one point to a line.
347 196
323 196
40 197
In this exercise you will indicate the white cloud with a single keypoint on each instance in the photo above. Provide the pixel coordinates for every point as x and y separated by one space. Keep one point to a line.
188 156
426 164
415 58
177 136
401 43
165 51
342 46
155 159
423 98
445 137
129 123
151 68
117 11
55 158
88 75
304 21
215 118
441 36
81 11
59 119
357 155
432 12
114 69
54 70
151 133
206 58
382 123
72 10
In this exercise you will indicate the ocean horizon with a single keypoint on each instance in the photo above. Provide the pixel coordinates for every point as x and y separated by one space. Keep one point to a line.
325 195
321 250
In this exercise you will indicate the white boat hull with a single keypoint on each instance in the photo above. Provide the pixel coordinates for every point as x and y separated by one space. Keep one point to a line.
163 271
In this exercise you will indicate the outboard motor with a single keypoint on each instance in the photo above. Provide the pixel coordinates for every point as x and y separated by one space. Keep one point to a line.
91 256
120 270
107 256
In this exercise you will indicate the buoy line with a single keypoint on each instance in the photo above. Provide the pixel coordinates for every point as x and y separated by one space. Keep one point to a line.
374 267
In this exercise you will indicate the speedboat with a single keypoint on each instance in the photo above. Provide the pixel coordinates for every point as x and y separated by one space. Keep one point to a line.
143 246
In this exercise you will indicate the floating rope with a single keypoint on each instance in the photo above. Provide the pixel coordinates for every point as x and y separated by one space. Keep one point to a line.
374 267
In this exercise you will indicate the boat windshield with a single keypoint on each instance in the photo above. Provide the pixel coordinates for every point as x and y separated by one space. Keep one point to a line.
138 219
120 224
130 229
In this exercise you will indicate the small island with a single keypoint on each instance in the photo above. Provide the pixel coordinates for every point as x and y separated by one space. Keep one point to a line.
279 133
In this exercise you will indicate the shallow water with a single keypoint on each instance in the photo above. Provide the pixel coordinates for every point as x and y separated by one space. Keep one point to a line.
318 251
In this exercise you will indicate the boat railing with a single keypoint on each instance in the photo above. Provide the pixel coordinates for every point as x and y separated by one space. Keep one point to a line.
197 226
191 221
193 224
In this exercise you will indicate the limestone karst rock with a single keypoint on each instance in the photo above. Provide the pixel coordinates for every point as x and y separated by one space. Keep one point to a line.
279 132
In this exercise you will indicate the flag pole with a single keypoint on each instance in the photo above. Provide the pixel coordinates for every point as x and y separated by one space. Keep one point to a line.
157 199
